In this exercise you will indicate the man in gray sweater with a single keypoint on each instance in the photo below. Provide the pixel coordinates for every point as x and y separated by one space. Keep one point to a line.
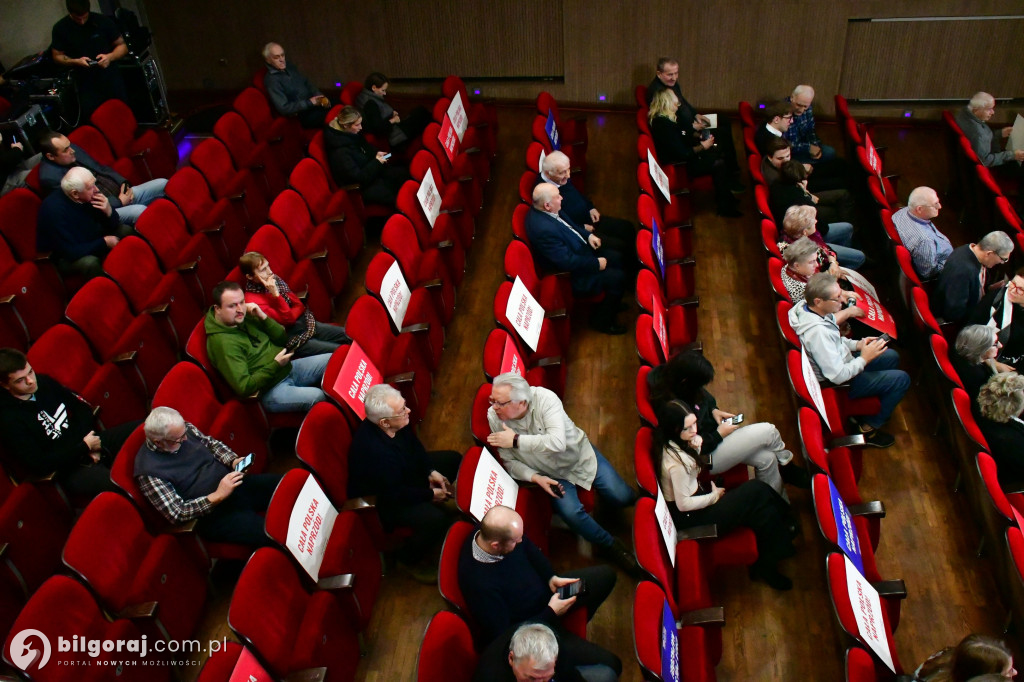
973 121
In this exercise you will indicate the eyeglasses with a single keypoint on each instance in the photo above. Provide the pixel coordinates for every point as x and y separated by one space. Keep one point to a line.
177 441
496 403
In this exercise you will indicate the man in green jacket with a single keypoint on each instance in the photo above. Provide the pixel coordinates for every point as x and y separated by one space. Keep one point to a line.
248 349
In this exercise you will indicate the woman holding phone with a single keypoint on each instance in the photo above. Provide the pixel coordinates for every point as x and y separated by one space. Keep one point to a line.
354 161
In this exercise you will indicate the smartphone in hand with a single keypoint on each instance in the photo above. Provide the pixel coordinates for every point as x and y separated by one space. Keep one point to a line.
570 590
244 463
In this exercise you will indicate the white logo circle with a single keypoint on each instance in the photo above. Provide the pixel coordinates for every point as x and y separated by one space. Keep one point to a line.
23 655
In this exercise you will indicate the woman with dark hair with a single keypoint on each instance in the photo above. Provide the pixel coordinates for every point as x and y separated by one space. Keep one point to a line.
353 160
382 120
726 444
678 459
973 657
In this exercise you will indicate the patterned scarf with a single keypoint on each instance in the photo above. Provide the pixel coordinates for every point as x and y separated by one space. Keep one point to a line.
256 287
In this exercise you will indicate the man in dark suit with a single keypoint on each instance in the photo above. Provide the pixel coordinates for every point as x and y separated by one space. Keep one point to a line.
559 244
964 279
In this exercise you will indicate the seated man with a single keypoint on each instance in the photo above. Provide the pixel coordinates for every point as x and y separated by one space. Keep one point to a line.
928 247
778 116
973 121
249 350
507 581
558 244
187 475
78 225
306 336
291 93
410 484
961 283
539 443
48 428
822 179
530 654
616 234
667 77
807 146
867 365
998 310
59 154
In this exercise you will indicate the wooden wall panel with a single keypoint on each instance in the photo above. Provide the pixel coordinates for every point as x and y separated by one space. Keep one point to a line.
937 59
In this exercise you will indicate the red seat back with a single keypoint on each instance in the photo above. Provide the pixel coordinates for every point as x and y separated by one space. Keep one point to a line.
19 209
446 653
322 445
448 571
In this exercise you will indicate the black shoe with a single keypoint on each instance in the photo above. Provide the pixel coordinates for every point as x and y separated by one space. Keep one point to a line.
611 328
795 476
771 577
624 558
730 212
878 438
737 187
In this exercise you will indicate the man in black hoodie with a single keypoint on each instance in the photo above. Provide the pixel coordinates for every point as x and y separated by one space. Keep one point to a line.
48 428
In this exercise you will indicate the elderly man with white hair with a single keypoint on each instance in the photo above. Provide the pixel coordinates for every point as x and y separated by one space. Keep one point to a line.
291 93
187 475
539 443
973 121
807 146
389 462
928 247
965 277
78 225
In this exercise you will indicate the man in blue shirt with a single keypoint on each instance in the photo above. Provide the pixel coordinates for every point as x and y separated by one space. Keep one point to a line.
928 247
807 146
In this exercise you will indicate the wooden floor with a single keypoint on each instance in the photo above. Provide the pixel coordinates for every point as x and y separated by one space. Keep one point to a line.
928 538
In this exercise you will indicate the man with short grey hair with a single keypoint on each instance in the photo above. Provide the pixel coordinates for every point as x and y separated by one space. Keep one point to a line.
389 462
973 121
291 93
532 656
929 249
807 146
78 226
963 280
187 475
539 443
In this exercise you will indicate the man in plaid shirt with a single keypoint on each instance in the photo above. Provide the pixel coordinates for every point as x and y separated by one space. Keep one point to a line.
187 475
807 146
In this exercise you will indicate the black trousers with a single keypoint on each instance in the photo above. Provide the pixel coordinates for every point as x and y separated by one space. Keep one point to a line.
326 339
384 189
713 162
86 481
312 118
239 518
612 281
619 235
429 522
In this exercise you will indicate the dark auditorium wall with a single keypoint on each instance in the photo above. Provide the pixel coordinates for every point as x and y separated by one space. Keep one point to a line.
729 49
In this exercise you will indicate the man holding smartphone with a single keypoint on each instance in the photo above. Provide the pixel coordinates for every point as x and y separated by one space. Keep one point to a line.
188 475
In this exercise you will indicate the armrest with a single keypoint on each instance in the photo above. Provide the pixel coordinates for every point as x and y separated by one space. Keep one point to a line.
276 140
336 219
7 300
183 528
555 314
714 615
847 441
217 229
124 358
432 283
319 255
358 503
446 244
140 155
464 178
308 675
302 295
549 362
891 588
451 211
161 309
687 261
237 197
350 188
680 192
708 532
471 150
690 302
96 410
874 509
418 327
188 267
146 609
345 581
681 226
577 169
404 378
42 257
3 549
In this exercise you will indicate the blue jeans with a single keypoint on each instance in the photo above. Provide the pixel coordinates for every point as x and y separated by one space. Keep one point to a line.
881 378
145 194
300 390
610 487
840 236
827 153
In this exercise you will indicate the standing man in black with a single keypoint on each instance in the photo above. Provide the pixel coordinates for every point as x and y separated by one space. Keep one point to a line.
90 43
667 78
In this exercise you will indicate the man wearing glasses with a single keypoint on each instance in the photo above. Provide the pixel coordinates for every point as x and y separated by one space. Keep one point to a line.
777 116
928 247
1003 310
866 365
963 279
187 475
539 443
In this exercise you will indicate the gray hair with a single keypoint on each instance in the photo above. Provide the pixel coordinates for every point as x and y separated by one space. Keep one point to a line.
920 196
997 242
798 219
802 90
535 642
553 160
376 401
160 421
75 180
519 389
1002 397
981 100
267 48
543 193
799 250
973 341
819 286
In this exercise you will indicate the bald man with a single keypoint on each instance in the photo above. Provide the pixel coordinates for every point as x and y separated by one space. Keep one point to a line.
559 244
807 146
506 580
928 247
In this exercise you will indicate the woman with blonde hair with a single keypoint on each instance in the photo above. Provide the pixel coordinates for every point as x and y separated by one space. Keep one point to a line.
1000 402
354 161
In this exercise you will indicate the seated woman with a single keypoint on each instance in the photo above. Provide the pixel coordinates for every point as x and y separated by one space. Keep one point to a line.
805 257
678 458
353 160
802 221
976 657
684 377
381 119
791 190
974 358
694 148
998 309
272 294
1000 402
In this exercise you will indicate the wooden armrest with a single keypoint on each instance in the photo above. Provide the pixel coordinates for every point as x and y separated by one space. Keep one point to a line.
687 261
183 528
308 675
161 309
146 609
549 362
124 358
237 197
319 255
345 581
418 327
451 211
432 283
301 295
276 140
707 532
96 411
872 509
446 244
355 186
556 314
577 169
188 267
464 178
891 177
689 302
358 503
336 219
43 257
140 155
217 229
847 441
257 166
403 378
681 226
680 192
3 549
714 615
7 300
891 588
